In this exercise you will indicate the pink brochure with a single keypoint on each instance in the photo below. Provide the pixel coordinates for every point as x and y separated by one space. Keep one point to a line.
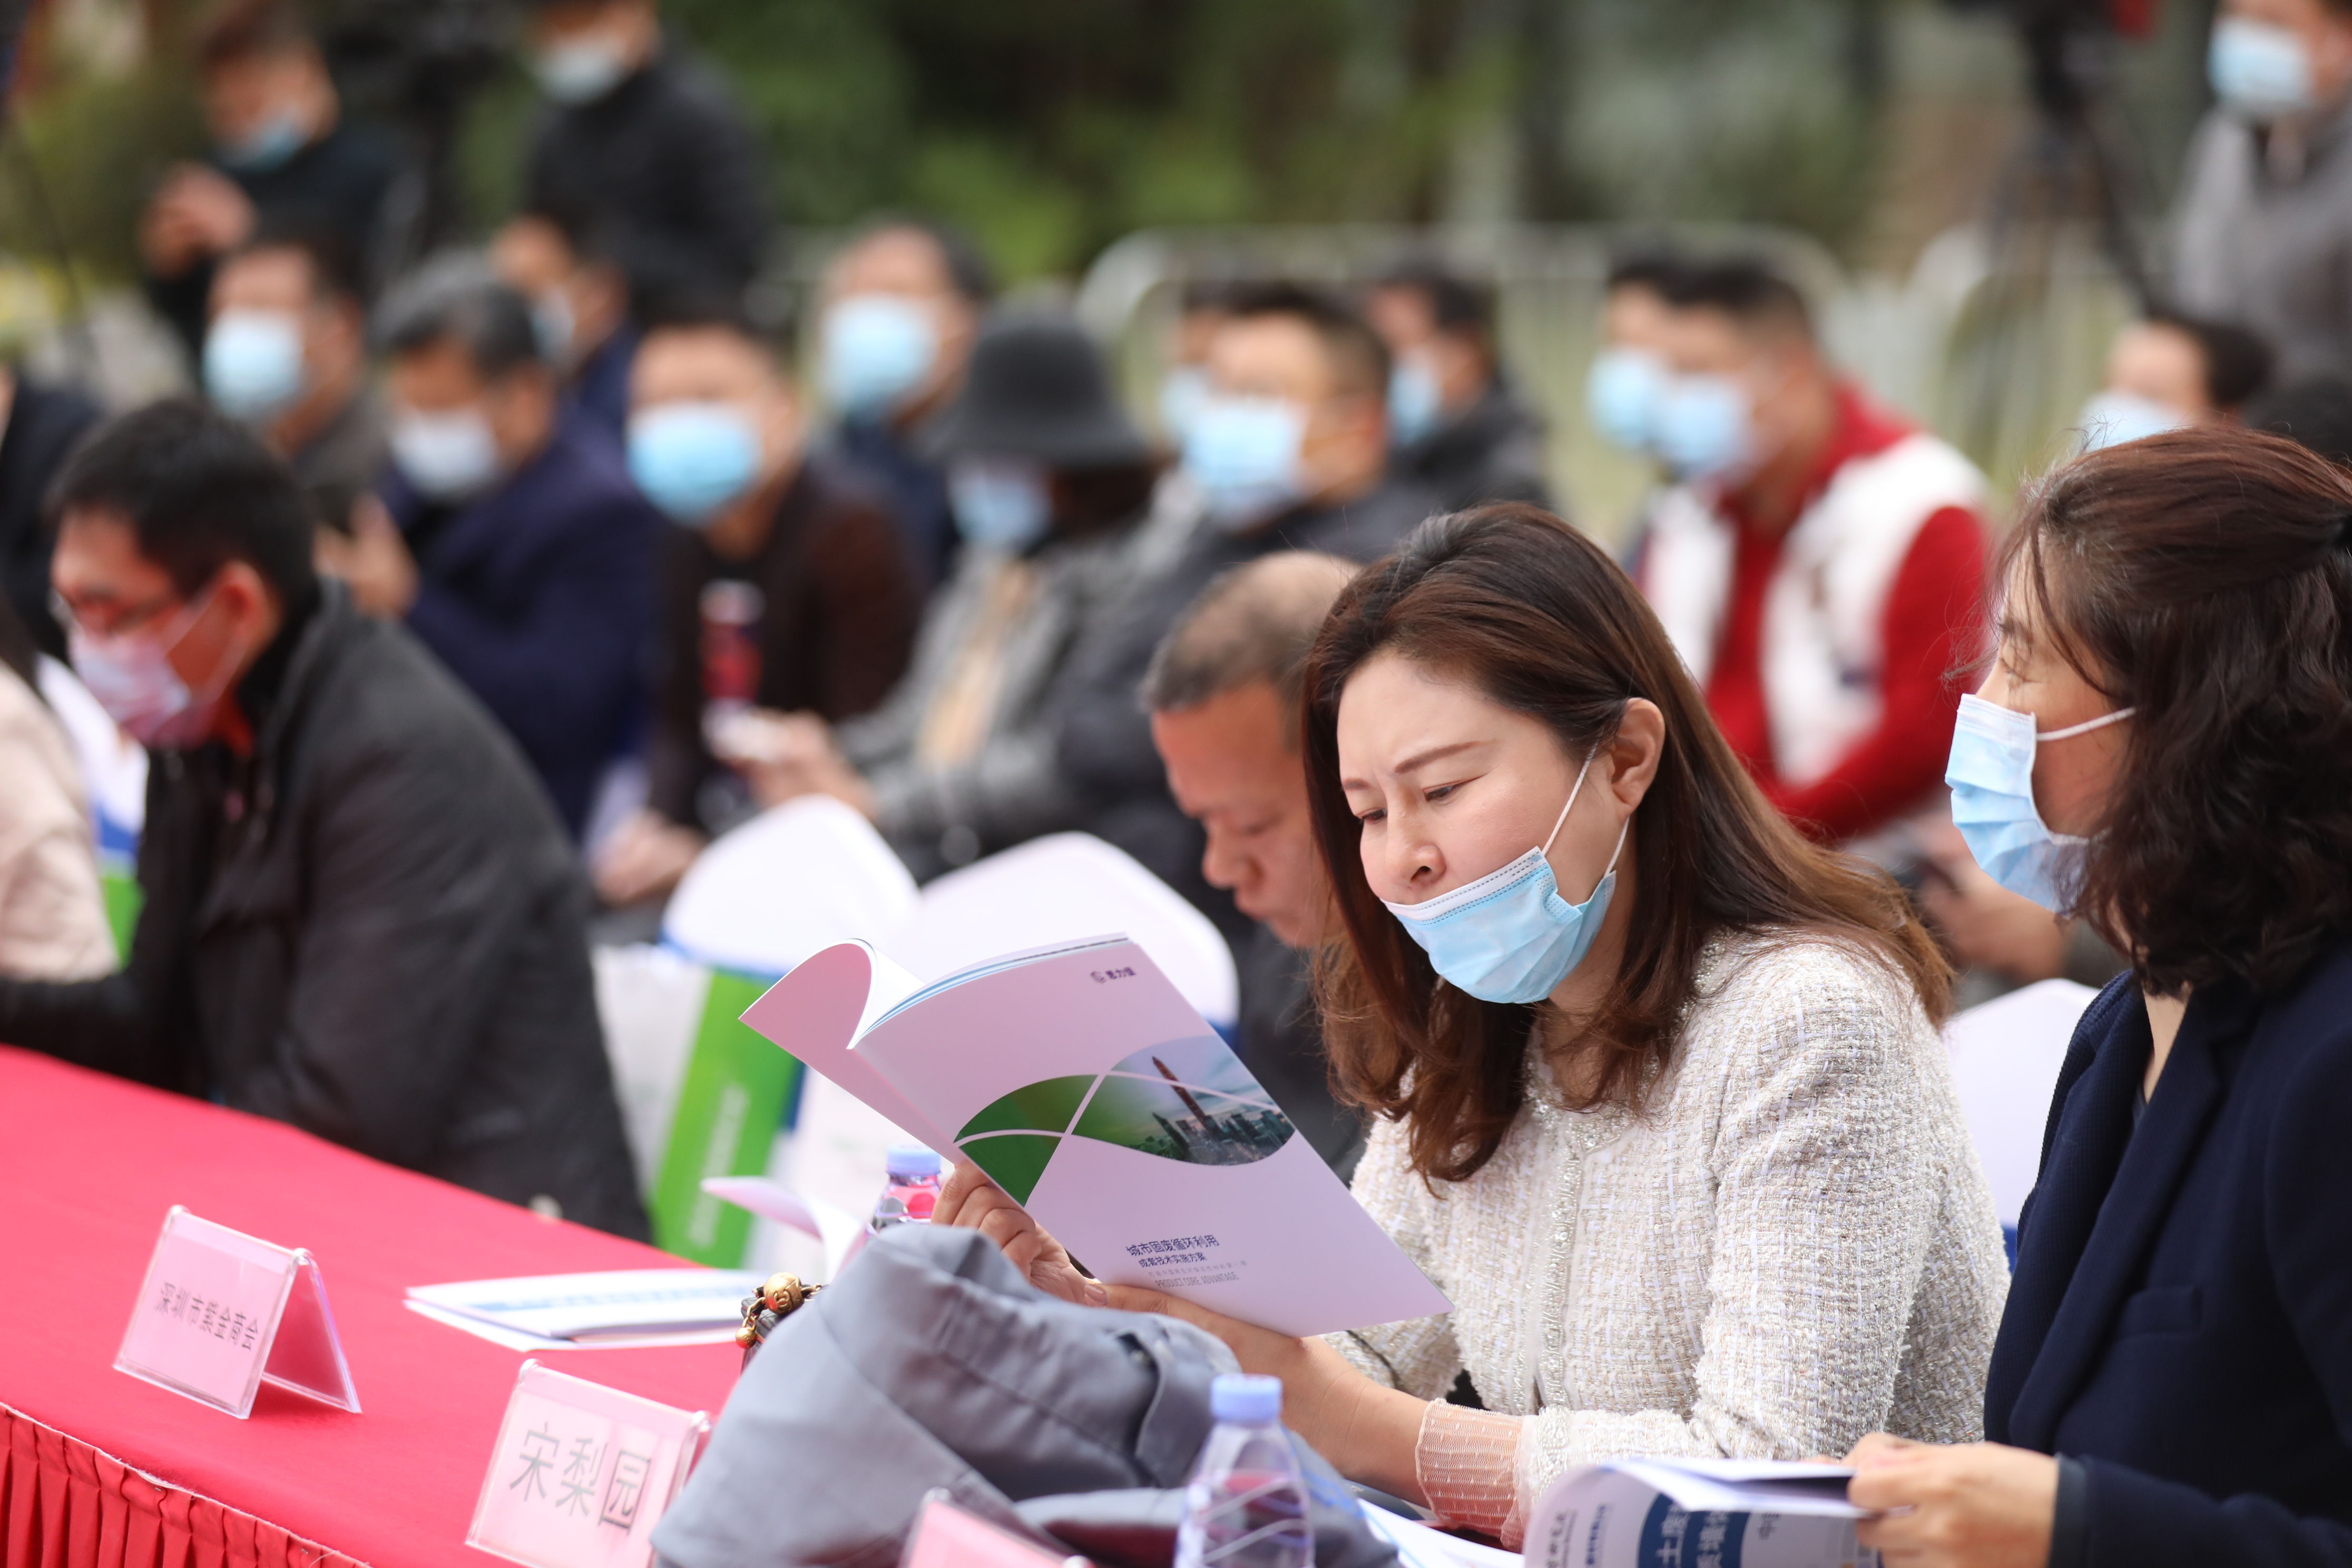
946 1536
582 1473
222 1313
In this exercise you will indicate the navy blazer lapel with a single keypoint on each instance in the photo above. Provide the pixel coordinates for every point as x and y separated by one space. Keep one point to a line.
2090 1123
2125 1222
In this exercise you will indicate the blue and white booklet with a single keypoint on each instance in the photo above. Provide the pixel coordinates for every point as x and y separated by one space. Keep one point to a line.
1721 1513
1086 1085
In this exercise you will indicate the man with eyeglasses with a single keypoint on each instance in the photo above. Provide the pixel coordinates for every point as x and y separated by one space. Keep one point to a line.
359 913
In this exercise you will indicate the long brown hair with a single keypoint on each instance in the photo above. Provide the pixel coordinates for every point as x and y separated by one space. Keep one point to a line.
2203 579
1537 617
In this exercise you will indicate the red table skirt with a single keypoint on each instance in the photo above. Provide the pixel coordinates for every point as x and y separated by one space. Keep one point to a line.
64 1504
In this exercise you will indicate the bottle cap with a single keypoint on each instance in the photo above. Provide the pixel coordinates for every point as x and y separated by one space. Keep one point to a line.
911 1161
1243 1397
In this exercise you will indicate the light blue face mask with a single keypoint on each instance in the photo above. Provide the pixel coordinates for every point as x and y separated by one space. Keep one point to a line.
878 348
692 459
1509 936
269 146
1706 429
1991 779
1183 393
2111 418
581 71
2258 72
1621 394
253 362
1243 454
1003 504
1415 402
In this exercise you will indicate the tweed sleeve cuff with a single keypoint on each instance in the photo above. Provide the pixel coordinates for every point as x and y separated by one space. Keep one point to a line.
1467 1464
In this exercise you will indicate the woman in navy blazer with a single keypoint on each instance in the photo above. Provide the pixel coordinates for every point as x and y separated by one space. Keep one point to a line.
2164 748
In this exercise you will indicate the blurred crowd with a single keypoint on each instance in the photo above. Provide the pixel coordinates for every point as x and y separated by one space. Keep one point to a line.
649 579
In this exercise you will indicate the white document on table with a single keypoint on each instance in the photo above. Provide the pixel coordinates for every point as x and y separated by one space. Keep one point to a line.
619 1307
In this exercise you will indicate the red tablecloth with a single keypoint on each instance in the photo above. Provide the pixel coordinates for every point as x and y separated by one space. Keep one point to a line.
87 1167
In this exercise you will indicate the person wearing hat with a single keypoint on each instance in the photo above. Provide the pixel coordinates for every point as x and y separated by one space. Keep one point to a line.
1051 483
785 587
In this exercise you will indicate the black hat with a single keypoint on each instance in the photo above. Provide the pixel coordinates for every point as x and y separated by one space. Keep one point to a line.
1037 388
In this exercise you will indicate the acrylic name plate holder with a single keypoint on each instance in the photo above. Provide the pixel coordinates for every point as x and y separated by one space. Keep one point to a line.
582 1473
222 1313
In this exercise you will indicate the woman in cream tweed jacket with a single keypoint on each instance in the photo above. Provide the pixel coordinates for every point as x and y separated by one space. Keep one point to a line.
1791 1248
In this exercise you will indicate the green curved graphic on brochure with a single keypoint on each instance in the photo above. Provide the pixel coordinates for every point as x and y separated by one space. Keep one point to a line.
1190 1100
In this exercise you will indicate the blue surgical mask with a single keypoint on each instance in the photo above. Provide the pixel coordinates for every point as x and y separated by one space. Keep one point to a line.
447 456
1509 936
1005 503
1705 427
1243 453
2112 419
1991 779
878 350
692 459
272 144
253 362
552 322
580 70
1183 391
1415 401
2258 72
1623 392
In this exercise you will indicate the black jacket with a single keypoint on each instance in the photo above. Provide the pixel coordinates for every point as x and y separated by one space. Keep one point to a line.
374 931
539 593
1104 737
668 166
1280 1039
2180 1321
44 423
1492 450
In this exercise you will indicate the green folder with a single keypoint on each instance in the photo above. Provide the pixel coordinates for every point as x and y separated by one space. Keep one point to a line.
738 1092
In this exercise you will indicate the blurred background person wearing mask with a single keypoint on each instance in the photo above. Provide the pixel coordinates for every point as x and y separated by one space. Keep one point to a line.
580 299
2265 208
39 424
783 583
648 142
287 352
1457 428
1223 692
1289 452
52 914
898 311
510 540
1627 377
1184 384
282 150
1052 484
1820 565
2169 372
358 914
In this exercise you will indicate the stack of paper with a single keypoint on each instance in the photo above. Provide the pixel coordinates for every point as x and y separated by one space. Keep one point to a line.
628 1307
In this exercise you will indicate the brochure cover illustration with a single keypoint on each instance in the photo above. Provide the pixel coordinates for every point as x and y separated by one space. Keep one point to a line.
1084 1085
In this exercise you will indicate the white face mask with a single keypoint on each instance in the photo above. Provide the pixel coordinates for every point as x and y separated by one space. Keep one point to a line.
581 69
448 455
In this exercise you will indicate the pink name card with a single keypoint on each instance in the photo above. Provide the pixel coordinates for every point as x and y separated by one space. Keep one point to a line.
582 1473
223 1312
946 1536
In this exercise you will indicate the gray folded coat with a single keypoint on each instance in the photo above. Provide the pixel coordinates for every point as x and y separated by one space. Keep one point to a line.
933 1364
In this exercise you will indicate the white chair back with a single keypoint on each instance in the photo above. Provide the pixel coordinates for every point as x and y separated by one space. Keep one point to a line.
2005 1059
789 883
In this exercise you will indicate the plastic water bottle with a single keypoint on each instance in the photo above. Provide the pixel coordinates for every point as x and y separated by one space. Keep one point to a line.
1246 1504
912 1191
